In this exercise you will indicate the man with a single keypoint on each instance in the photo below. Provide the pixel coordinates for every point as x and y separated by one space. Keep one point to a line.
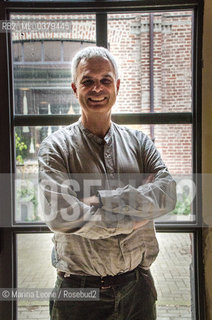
103 238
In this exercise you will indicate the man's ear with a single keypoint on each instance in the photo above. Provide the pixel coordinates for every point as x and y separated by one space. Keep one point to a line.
117 85
74 88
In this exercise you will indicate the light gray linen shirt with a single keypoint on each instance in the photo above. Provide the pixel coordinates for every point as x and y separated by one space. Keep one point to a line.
133 183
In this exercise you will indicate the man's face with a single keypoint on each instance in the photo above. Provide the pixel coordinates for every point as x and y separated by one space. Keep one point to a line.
96 87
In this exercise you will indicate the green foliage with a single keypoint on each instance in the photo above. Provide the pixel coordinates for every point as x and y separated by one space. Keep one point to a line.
183 206
20 147
27 193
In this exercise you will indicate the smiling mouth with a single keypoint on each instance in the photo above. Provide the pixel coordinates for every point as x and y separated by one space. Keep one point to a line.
97 99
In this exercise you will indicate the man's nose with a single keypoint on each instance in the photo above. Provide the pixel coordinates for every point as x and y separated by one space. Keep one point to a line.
97 86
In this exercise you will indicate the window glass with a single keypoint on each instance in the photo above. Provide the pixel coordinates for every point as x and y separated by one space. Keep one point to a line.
42 78
17 52
28 141
69 49
172 272
52 50
34 271
172 141
169 34
176 154
55 98
32 51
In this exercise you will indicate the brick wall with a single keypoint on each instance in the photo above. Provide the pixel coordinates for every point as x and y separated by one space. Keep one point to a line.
129 40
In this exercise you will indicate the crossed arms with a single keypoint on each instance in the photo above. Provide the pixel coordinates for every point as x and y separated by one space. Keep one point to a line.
123 209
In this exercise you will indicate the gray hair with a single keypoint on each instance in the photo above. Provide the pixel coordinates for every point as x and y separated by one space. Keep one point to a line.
91 52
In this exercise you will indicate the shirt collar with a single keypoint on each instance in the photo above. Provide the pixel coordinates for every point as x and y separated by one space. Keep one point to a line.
107 139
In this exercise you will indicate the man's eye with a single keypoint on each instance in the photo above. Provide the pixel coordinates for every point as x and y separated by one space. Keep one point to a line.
106 81
87 83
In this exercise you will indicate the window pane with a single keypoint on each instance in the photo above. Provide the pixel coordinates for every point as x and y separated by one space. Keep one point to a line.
130 39
32 51
49 100
28 141
52 50
174 142
71 48
174 278
42 78
172 272
17 52
34 271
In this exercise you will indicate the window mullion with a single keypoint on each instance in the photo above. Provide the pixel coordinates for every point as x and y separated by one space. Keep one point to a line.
101 29
120 118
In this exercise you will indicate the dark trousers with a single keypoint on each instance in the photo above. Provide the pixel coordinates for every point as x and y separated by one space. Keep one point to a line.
132 301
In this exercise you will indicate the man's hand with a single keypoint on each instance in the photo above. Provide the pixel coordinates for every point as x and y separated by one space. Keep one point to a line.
91 201
94 201
140 224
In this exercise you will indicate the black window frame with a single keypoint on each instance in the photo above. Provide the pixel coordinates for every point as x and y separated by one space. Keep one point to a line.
8 121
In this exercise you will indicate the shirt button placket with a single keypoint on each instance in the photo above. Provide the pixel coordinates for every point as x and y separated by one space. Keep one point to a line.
108 159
